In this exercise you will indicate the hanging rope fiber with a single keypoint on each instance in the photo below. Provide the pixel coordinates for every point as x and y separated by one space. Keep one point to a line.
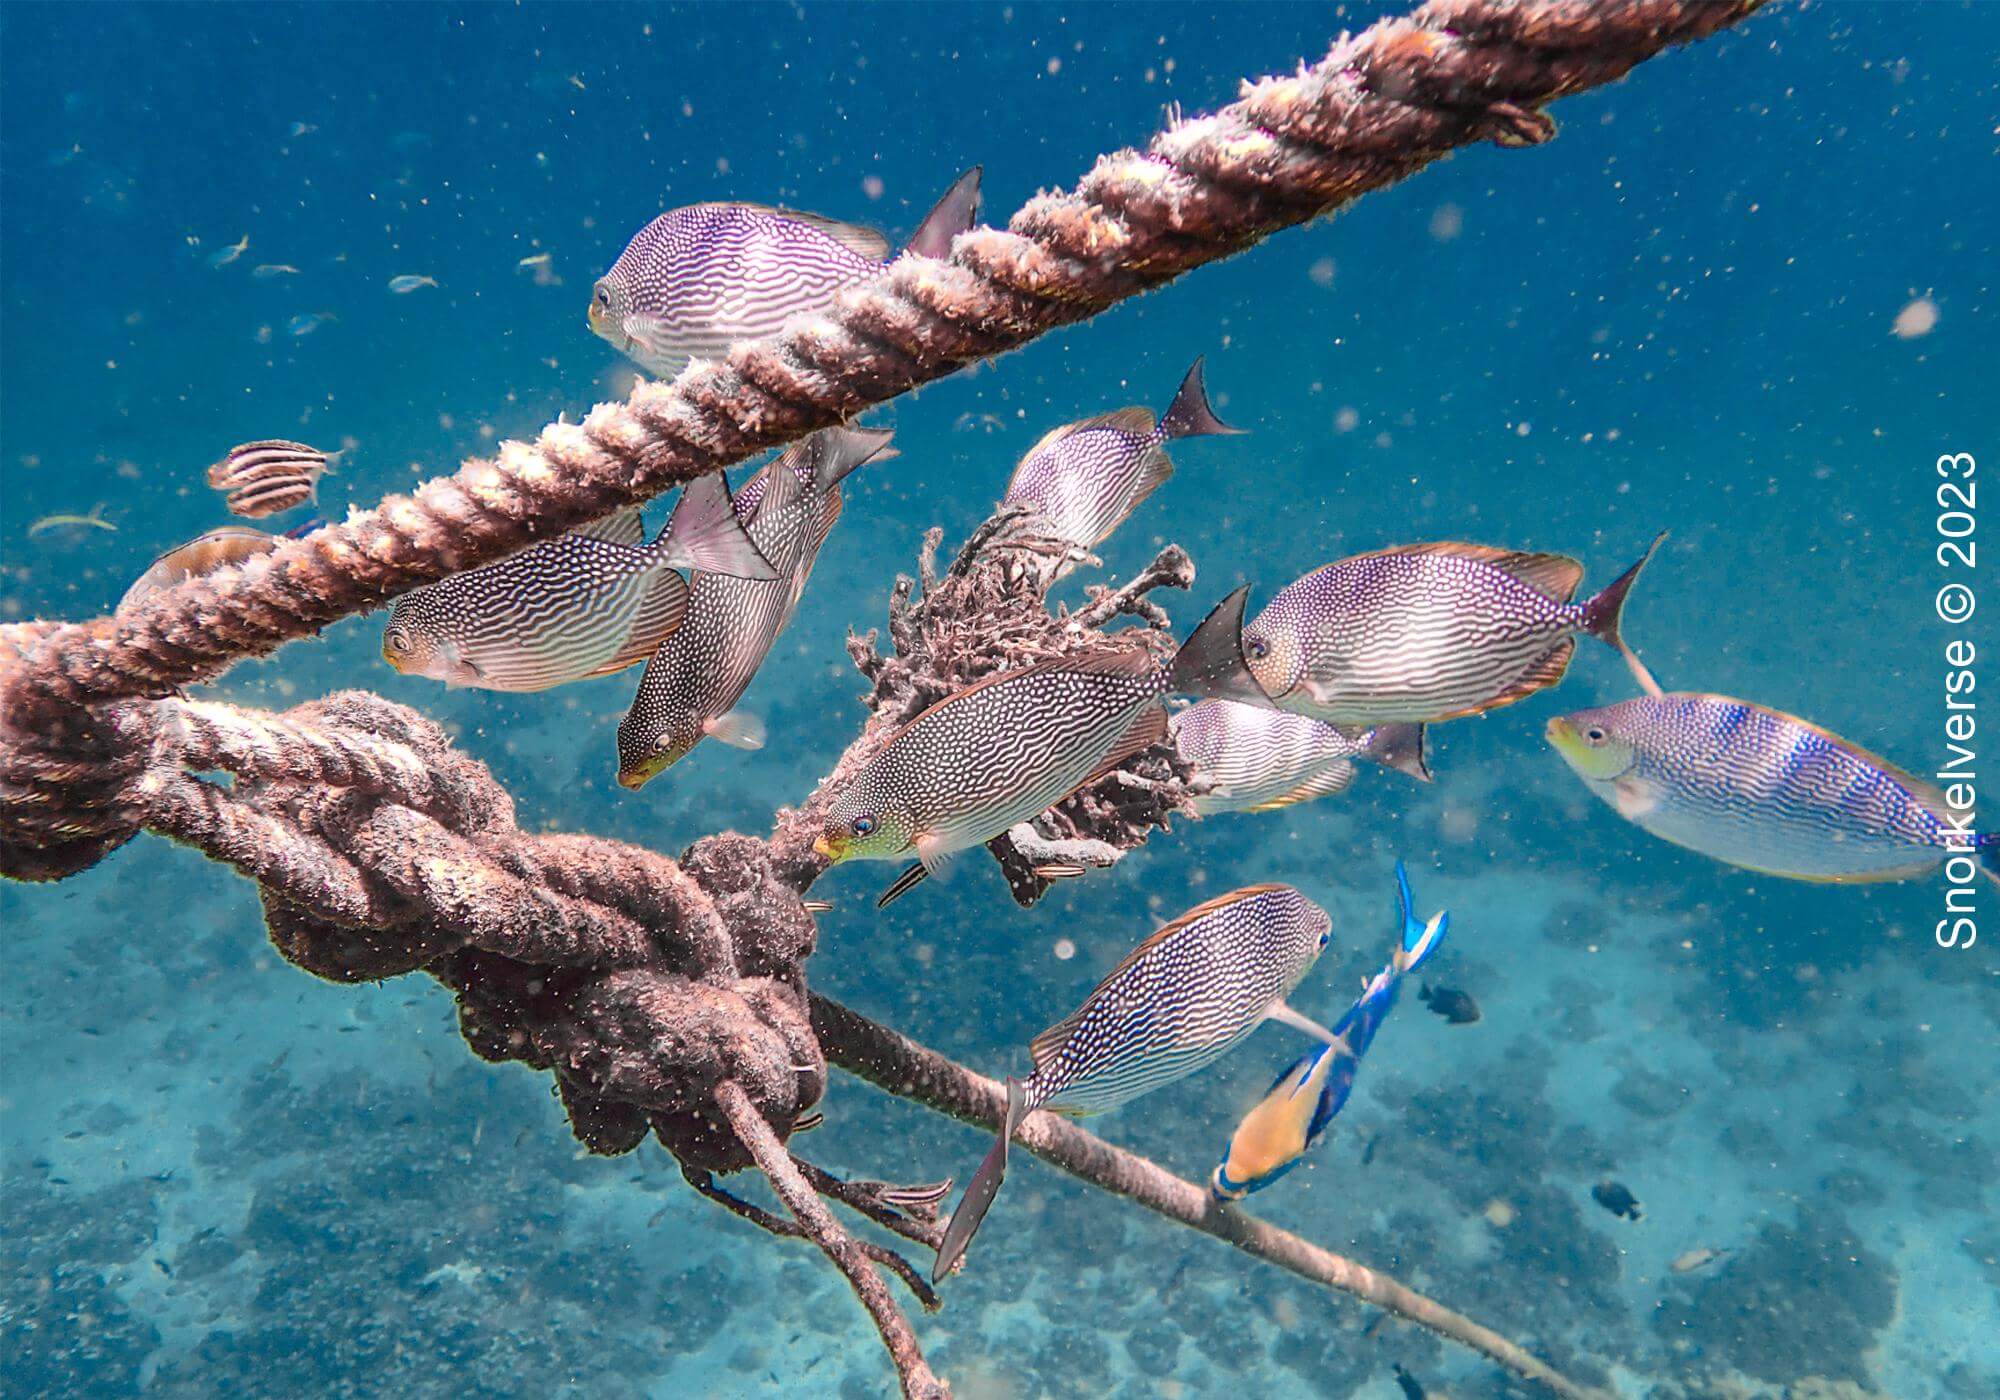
668 998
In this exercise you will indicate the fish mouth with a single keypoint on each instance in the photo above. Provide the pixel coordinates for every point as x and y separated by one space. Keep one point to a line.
632 779
829 848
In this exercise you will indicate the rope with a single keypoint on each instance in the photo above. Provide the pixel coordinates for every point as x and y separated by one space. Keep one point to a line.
668 998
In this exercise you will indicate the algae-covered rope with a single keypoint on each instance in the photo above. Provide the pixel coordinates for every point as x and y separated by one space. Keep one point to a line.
1381 105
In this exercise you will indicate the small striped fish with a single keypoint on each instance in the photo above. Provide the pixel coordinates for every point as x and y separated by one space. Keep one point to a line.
1258 760
697 675
263 478
586 603
1006 749
698 279
1428 632
232 544
1762 789
1085 478
1181 1000
1293 1115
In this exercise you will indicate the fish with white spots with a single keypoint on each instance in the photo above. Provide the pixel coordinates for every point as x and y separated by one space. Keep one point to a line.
1178 1002
694 679
585 603
1250 759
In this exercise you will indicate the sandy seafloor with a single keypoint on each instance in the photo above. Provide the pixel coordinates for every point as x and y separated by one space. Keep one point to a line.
222 1177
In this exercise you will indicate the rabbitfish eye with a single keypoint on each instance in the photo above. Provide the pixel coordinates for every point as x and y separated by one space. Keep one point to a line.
1256 649
863 824
1593 735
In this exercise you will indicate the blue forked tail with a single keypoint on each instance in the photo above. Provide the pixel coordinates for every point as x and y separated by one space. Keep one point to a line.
1421 938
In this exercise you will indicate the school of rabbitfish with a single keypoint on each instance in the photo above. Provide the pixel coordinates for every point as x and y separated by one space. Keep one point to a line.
1351 661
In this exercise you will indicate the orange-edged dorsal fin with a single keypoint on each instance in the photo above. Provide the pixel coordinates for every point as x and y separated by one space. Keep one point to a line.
1335 778
1554 575
856 238
1131 420
1103 661
1051 1040
661 609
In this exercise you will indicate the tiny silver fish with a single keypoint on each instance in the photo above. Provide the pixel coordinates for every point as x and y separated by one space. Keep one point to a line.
263 271
223 257
1758 788
309 322
693 682
409 282
1428 632
263 478
1181 1000
586 603
696 280
1694 1259
1085 478
1258 760
232 544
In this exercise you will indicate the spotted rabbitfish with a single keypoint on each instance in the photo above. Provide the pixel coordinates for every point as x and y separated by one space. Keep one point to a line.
694 679
1004 749
1181 1000
1293 1116
698 279
1764 790
1082 480
586 603
1427 632
1250 759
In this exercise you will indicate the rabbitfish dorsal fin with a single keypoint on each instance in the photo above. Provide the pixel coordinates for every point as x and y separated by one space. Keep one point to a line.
856 238
620 527
661 609
1554 575
1130 420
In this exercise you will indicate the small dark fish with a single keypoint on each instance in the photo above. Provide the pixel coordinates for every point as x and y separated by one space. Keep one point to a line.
696 280
1259 760
161 1265
263 478
586 603
1178 1002
1406 1382
1368 1150
1616 1199
1458 1008
1429 632
1086 477
691 685
232 544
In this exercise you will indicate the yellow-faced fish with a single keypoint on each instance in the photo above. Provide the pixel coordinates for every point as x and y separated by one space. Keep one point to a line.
1293 1115
1258 760
1764 790
1085 478
263 478
409 282
586 603
698 279
1005 749
1178 1002
92 520
232 544
694 680
1428 632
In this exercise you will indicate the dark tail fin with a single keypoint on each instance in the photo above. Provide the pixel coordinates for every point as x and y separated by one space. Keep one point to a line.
1211 661
949 217
704 533
1604 614
841 450
1398 746
984 1186
1189 414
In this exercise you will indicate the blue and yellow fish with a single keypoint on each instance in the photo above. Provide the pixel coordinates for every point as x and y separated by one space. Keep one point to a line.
1275 1135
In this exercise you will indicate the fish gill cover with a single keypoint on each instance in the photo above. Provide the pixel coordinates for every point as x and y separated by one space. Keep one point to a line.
1743 297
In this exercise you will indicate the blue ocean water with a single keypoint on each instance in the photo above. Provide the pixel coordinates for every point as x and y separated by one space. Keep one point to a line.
224 1177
